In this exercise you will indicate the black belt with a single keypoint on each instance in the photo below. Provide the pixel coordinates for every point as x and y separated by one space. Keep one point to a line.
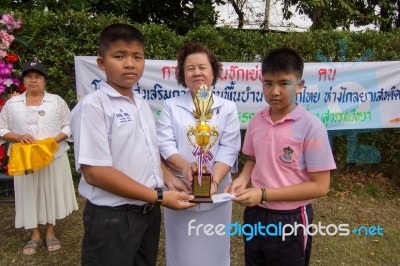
146 208
135 208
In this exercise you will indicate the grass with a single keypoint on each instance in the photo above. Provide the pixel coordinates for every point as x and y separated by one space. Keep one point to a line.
371 201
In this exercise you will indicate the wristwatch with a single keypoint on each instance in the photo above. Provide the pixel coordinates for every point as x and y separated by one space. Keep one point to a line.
263 196
160 196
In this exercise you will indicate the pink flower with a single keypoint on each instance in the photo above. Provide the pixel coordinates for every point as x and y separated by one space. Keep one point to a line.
6 38
5 69
9 84
2 88
10 23
16 82
5 72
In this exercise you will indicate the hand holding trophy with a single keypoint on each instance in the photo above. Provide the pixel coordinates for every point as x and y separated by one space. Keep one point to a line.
205 137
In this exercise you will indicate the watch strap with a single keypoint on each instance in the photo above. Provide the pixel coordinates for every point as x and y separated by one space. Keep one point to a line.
160 196
263 195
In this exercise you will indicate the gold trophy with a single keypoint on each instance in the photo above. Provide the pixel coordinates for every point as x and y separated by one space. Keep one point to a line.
205 138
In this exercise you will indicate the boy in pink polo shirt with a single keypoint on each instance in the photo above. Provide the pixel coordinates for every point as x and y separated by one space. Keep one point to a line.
288 163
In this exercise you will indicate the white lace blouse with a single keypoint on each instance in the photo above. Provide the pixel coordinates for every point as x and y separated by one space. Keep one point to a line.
44 121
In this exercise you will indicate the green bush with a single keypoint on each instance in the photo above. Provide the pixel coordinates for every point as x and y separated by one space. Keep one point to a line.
55 38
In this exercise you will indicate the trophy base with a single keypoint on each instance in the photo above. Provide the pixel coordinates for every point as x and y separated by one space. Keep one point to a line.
201 200
202 193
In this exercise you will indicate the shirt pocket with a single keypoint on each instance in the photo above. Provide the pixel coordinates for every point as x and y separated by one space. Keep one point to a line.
290 153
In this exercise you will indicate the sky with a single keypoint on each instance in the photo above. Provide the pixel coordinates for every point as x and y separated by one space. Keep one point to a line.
229 17
296 23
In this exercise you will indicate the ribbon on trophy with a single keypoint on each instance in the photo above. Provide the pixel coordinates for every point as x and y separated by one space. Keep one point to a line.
203 158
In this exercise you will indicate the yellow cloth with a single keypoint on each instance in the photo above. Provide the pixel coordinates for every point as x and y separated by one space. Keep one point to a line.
27 158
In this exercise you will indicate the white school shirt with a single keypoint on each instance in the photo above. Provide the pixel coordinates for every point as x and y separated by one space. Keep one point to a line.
111 130
47 120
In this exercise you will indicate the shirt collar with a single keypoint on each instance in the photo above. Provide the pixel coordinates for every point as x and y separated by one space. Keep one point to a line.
294 115
110 91
22 97
48 97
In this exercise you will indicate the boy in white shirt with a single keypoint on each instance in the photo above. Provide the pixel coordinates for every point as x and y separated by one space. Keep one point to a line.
116 151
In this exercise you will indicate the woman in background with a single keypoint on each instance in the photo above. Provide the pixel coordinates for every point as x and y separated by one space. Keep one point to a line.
48 194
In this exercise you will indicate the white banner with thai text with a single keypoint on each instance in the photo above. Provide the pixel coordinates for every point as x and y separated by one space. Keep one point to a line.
348 95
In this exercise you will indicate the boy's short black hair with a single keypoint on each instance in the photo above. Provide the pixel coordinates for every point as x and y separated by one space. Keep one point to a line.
283 60
119 32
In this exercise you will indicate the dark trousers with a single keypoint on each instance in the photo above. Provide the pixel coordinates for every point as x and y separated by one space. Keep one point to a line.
120 237
271 249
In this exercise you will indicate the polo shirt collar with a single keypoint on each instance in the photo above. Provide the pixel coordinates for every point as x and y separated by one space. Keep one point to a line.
294 115
187 102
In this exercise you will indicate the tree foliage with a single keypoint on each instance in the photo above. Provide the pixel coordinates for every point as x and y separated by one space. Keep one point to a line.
180 16
332 14
184 15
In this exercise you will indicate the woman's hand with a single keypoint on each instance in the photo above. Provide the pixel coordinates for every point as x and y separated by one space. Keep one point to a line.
187 173
26 138
176 184
214 187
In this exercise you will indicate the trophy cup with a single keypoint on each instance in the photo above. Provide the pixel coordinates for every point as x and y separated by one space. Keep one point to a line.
204 138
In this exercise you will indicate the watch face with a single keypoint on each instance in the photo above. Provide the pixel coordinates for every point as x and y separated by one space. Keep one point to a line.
203 94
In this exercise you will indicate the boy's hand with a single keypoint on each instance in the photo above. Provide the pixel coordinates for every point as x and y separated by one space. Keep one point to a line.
177 200
238 185
249 197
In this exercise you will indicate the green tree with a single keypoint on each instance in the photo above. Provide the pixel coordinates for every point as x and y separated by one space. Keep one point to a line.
389 14
332 14
181 16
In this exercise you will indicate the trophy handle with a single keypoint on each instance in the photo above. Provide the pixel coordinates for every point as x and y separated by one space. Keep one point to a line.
215 134
190 133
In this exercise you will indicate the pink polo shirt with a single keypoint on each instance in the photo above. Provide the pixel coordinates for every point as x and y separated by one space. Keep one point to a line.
286 151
